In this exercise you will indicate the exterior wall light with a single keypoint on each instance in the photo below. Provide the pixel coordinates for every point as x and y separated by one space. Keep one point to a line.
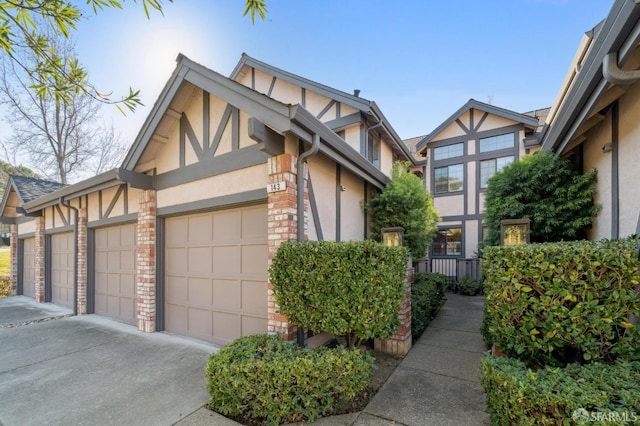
392 236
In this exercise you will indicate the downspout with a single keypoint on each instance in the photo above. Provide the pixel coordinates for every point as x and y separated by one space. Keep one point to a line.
75 253
302 159
614 75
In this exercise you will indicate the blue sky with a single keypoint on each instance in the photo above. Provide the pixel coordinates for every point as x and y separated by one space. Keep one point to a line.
419 60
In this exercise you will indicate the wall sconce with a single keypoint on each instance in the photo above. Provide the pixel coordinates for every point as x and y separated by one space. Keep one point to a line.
607 147
392 236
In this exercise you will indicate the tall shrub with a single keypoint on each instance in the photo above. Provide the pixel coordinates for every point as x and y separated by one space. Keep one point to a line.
350 288
546 189
558 303
405 202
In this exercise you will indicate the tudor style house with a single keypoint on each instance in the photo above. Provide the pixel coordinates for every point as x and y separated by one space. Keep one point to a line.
462 154
179 237
595 119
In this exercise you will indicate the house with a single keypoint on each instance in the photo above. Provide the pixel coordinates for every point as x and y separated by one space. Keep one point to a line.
462 153
595 118
179 237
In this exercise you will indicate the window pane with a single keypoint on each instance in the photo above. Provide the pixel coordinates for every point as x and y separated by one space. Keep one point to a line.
454 241
497 142
503 161
449 151
456 178
487 170
442 179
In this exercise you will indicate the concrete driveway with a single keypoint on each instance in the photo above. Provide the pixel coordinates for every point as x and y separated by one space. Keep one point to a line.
92 370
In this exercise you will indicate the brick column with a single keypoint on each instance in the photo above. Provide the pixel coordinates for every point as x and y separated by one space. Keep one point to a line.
81 245
39 243
13 259
400 342
146 262
282 226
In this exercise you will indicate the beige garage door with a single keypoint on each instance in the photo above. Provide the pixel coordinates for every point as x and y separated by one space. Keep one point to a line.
29 267
62 269
115 272
216 274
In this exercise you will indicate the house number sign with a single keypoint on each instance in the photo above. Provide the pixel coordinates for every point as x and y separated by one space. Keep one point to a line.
276 186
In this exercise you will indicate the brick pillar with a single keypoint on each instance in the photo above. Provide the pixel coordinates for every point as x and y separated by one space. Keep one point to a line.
39 243
146 262
13 259
81 245
282 226
400 342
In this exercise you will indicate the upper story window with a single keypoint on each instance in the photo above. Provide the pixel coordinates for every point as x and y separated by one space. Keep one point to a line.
449 178
373 151
495 143
488 168
448 151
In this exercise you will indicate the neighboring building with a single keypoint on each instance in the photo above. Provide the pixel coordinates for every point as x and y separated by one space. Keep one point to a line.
462 154
596 118
179 237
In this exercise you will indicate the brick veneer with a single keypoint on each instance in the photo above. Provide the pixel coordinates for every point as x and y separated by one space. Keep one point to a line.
39 248
400 342
282 226
146 262
82 262
13 259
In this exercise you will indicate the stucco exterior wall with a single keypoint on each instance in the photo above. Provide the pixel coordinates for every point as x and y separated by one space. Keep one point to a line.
27 227
351 214
629 161
352 136
216 186
323 177
452 205
386 158
493 121
594 158
470 234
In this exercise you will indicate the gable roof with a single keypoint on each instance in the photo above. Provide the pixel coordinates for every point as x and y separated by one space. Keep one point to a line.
411 144
581 94
527 120
364 105
278 116
27 189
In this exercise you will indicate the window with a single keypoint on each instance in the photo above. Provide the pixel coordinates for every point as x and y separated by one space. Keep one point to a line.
448 242
373 151
488 168
449 178
495 143
448 151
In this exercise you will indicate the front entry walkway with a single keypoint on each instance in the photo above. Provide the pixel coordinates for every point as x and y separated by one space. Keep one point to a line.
438 382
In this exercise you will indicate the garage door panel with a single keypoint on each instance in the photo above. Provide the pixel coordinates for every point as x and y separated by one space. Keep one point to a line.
176 262
226 275
226 327
200 229
226 294
115 272
254 259
199 260
254 222
254 297
226 260
61 269
226 226
199 291
29 267
253 325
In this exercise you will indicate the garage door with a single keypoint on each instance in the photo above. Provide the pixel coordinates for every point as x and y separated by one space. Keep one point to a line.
62 269
216 274
29 267
115 272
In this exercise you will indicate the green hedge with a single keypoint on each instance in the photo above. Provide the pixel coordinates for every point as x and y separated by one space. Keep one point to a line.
264 378
558 303
517 395
350 288
427 292
467 286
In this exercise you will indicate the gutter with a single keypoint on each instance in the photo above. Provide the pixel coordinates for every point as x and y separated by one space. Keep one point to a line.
614 75
302 159
75 253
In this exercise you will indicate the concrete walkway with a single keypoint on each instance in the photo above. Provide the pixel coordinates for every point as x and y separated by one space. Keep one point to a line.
437 383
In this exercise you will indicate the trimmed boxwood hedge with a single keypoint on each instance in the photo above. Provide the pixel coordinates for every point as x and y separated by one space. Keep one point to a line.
352 289
559 303
264 378
517 395
427 292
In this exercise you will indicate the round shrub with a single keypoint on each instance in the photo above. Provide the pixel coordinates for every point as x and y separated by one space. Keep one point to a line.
265 378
